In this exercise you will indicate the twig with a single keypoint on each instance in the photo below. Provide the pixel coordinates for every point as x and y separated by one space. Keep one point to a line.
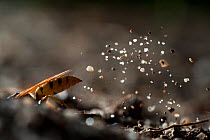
116 105
177 125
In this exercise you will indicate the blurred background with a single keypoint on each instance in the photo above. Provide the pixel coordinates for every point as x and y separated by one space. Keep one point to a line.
40 39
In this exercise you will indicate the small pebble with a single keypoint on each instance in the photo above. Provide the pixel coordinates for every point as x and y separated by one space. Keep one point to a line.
89 69
163 63
101 77
191 60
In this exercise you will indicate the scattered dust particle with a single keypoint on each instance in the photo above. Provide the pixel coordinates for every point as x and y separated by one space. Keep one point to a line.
141 44
164 91
122 81
146 50
151 82
136 92
143 62
191 60
107 46
172 50
151 108
88 87
162 52
113 69
158 42
121 51
178 105
91 89
176 115
159 72
169 102
116 43
186 80
101 77
123 92
142 69
161 101
112 116
74 98
162 120
130 43
165 85
124 107
85 86
163 43
89 69
122 63
145 38
121 57
171 109
149 96
165 35
135 40
131 30
163 63
99 71
132 107
102 53
123 71
109 51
